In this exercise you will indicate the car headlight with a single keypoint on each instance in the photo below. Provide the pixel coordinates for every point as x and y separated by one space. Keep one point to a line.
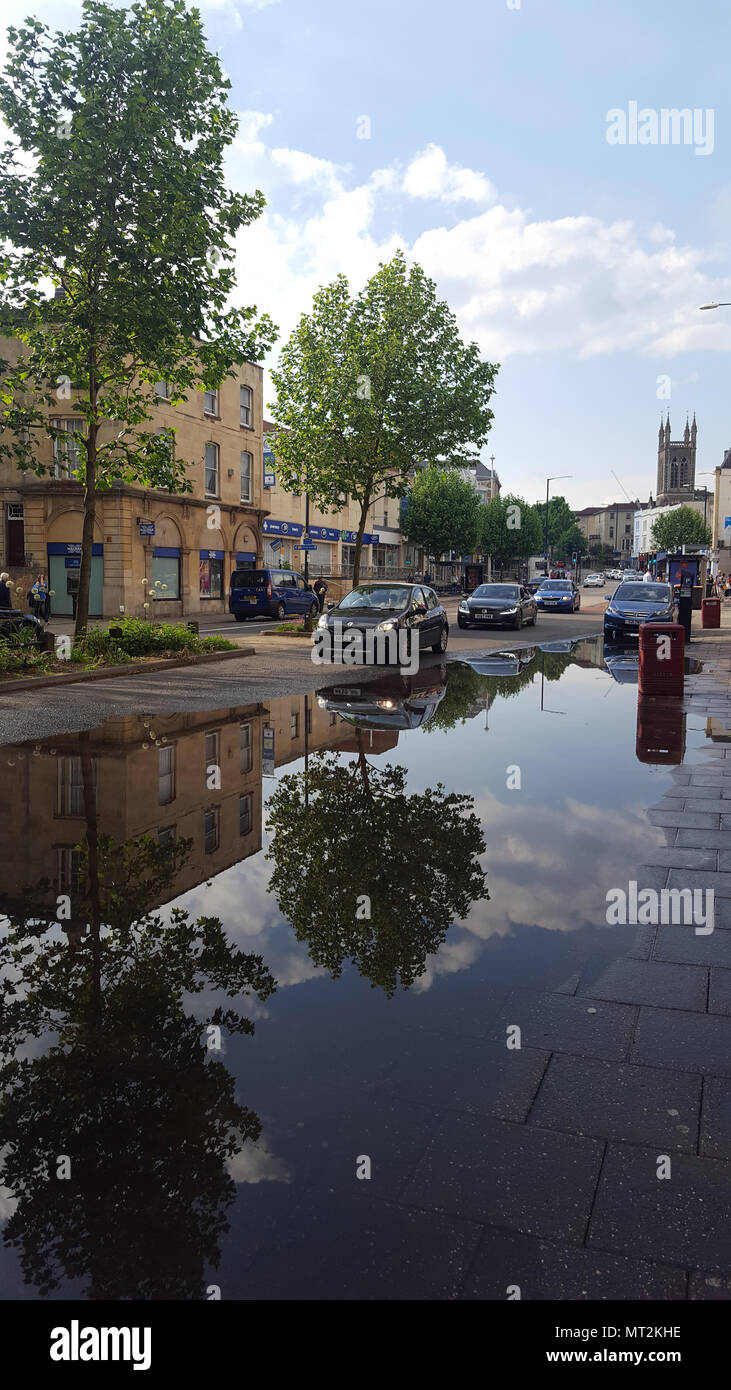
322 621
464 607
510 610
386 627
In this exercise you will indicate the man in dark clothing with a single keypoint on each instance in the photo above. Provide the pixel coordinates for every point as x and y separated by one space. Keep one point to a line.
6 600
320 590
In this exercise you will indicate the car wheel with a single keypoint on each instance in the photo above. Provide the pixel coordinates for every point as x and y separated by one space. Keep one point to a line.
240 617
461 624
280 612
441 645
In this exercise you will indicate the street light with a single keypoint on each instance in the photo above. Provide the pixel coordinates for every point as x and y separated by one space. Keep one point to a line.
554 479
724 304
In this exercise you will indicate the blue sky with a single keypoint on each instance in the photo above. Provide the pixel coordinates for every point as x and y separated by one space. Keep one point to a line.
576 264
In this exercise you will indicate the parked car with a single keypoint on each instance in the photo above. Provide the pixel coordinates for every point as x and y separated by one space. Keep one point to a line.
385 606
534 584
270 593
13 623
594 581
493 605
634 604
559 594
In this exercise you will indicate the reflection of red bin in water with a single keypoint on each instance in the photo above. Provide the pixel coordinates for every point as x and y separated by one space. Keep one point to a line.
711 612
660 730
662 664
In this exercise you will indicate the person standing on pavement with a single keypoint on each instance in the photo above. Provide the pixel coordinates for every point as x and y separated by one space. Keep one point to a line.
5 595
648 577
37 597
319 588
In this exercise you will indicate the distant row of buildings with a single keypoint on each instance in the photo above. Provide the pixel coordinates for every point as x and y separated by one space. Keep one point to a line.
625 528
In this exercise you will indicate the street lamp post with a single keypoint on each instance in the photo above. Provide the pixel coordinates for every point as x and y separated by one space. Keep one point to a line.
554 479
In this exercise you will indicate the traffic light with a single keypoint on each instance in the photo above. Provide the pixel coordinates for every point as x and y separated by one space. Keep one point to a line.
574 557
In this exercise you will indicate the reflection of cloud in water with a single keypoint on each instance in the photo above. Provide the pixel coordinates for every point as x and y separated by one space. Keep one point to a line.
255 1163
558 884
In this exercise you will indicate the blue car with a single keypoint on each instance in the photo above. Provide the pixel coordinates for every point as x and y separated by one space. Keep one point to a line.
558 594
270 594
634 604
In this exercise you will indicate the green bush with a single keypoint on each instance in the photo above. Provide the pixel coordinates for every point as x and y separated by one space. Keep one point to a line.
135 637
21 653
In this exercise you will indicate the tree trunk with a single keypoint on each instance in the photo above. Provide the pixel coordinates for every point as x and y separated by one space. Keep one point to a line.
87 536
92 853
359 539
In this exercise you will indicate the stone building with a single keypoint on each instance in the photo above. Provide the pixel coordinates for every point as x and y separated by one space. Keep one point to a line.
676 464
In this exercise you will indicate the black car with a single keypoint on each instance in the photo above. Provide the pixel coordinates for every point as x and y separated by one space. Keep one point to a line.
383 607
393 702
13 623
633 604
534 585
493 605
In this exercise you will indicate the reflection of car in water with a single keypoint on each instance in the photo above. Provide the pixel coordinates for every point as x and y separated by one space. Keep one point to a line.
507 663
394 702
622 665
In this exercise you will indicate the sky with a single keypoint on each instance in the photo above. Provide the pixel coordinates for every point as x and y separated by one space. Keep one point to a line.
477 136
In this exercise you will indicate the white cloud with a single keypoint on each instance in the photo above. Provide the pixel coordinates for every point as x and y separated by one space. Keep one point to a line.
429 175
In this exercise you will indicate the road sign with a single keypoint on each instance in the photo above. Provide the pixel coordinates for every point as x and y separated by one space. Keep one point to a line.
275 545
306 545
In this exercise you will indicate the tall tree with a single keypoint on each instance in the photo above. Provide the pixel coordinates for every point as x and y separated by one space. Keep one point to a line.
510 528
369 386
681 526
443 512
113 194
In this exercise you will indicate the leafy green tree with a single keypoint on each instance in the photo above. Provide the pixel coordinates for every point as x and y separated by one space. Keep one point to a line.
112 191
681 526
368 386
340 831
510 528
571 542
443 512
561 524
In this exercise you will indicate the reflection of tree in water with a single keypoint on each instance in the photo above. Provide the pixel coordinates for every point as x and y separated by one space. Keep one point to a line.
129 1089
340 831
467 688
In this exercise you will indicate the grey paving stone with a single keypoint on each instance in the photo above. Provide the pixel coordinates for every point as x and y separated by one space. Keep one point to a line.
684 1219
724 860
642 944
701 803
719 1000
701 878
484 1077
722 914
716 1118
652 876
650 982
562 1273
725 822
703 839
682 944
565 1023
709 1286
686 1042
345 1245
677 858
614 1100
690 794
687 820
520 1178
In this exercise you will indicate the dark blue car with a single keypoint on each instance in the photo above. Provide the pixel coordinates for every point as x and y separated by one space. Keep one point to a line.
559 594
270 594
634 604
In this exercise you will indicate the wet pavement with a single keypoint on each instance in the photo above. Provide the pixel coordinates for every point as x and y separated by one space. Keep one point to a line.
461 1077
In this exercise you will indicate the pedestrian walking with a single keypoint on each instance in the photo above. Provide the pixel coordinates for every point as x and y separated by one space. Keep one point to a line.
320 589
648 577
427 577
5 596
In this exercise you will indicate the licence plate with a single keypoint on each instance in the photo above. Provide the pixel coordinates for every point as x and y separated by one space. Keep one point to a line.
484 615
550 605
251 600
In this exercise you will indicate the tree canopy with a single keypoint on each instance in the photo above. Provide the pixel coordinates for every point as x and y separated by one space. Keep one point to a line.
372 384
681 526
510 528
118 243
442 513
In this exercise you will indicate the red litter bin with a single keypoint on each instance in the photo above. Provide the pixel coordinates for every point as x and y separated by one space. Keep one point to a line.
662 659
711 612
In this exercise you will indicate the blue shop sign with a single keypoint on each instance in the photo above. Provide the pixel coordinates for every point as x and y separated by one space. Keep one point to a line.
71 548
350 538
244 556
211 554
281 528
147 528
72 562
324 533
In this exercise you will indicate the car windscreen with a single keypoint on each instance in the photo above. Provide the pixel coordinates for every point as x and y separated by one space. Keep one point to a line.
378 597
557 586
249 579
643 593
496 591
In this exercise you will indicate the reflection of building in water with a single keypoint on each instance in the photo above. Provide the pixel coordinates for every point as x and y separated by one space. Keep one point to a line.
588 652
195 776
302 726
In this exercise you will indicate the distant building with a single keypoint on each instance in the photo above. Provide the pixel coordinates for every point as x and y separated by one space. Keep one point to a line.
608 528
676 464
484 480
721 524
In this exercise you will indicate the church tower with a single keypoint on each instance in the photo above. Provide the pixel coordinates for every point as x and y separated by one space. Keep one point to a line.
676 464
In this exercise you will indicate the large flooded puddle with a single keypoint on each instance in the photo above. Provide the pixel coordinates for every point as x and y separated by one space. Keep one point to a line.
259 957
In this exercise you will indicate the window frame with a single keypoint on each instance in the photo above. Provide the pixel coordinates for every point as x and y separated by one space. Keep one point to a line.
216 492
213 411
248 410
167 748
